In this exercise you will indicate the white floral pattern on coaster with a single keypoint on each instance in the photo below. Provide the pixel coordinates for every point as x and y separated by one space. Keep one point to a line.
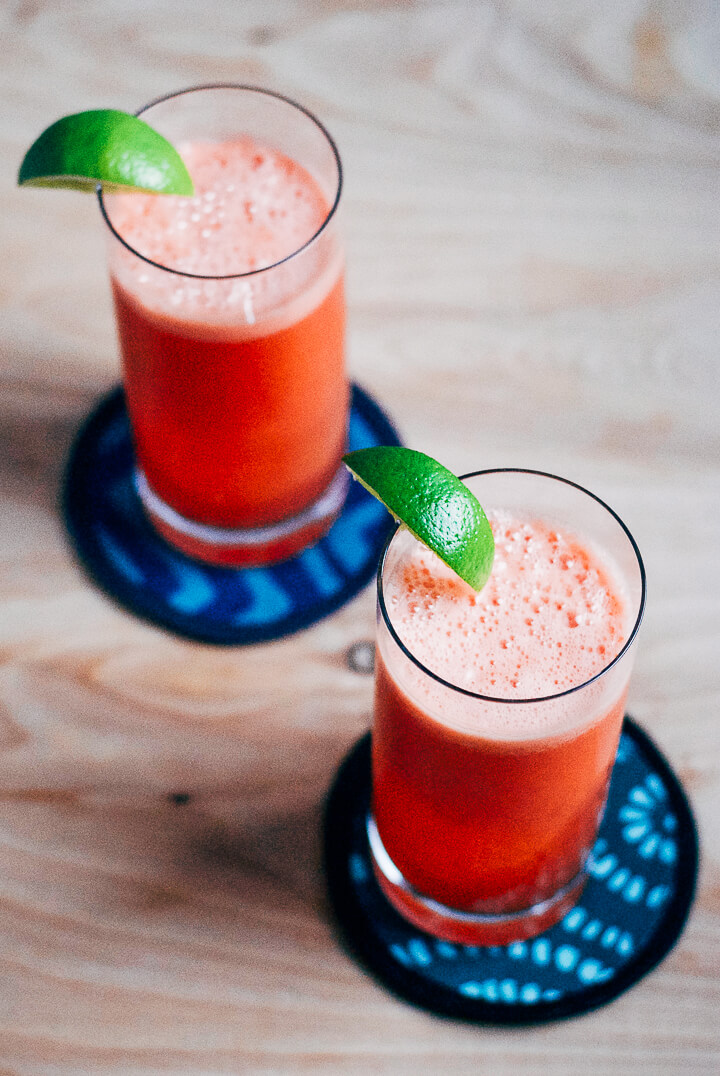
642 875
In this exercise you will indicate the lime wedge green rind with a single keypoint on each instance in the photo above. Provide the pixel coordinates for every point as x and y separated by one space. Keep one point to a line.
108 147
435 506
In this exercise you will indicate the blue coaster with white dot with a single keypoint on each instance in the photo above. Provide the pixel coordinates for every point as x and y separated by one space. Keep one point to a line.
134 565
642 875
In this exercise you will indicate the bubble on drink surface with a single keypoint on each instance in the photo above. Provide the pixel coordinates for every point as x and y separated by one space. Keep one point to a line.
488 642
226 229
258 199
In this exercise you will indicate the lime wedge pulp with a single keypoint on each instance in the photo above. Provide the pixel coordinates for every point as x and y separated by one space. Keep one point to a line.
106 146
435 506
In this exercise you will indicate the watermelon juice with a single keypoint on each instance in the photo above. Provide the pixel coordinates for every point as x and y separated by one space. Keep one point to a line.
230 314
497 715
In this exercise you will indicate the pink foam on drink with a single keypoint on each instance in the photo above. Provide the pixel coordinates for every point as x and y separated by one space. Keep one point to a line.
253 207
551 617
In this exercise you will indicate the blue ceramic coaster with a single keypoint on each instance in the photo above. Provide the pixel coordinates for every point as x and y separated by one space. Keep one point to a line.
231 606
642 880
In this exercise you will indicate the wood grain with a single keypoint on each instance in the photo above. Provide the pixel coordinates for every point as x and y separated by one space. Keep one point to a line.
532 224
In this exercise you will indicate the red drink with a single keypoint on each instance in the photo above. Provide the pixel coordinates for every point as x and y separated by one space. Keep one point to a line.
254 464
491 760
230 313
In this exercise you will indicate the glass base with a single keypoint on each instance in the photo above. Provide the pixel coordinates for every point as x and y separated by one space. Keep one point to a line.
467 928
245 547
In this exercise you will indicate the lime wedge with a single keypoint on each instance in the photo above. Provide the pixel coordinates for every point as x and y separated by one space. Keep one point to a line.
434 505
116 149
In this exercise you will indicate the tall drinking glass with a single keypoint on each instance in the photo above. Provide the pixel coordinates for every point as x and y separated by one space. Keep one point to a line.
230 314
497 716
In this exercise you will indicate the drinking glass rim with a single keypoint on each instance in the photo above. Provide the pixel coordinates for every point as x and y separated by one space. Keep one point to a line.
541 698
265 268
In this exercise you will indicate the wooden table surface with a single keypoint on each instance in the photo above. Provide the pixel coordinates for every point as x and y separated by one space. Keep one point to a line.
533 235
